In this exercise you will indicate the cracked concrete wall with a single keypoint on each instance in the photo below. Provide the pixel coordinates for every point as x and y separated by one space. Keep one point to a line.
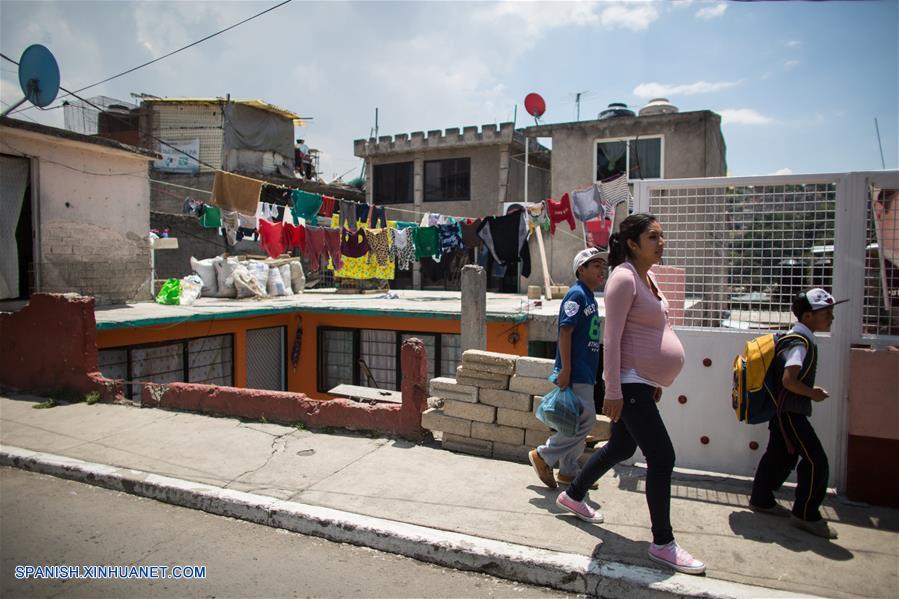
93 210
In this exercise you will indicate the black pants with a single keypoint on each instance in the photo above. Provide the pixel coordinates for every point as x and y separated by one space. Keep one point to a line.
777 463
640 425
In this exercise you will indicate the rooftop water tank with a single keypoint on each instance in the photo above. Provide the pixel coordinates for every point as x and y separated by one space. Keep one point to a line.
658 106
616 109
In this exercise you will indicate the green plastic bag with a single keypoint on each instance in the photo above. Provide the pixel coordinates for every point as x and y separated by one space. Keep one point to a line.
170 293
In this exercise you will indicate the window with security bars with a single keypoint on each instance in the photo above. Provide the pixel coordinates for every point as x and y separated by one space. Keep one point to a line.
735 256
372 357
266 349
205 360
880 314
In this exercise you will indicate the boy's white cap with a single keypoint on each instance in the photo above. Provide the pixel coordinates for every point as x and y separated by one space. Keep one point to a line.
818 299
588 254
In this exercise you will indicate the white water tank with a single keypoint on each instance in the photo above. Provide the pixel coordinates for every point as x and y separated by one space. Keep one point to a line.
658 106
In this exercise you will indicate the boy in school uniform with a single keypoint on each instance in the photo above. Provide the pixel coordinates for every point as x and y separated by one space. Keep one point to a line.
577 360
792 438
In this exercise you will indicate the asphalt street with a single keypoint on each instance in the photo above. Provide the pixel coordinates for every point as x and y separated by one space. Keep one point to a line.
48 521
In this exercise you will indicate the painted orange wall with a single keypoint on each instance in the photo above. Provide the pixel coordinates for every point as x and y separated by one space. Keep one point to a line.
302 379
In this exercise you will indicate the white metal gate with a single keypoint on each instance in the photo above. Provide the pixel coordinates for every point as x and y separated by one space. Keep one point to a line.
737 250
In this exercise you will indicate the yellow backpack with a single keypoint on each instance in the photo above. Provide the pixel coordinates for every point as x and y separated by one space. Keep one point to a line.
753 396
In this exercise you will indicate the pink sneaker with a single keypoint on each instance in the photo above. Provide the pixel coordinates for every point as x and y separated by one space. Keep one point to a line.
578 508
673 556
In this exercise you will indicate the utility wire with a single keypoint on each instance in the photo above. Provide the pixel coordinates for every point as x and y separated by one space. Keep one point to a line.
148 63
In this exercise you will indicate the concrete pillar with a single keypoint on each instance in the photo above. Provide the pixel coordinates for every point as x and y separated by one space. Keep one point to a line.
414 386
474 307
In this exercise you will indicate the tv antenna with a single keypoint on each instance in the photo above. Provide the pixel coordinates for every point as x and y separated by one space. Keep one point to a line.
38 77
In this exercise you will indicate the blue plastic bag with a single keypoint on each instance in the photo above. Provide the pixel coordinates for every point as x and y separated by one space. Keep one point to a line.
560 410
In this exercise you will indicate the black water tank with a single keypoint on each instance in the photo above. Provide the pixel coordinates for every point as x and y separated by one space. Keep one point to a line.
615 110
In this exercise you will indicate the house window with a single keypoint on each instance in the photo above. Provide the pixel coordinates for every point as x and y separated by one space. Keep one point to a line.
448 180
392 183
266 353
205 360
371 357
640 158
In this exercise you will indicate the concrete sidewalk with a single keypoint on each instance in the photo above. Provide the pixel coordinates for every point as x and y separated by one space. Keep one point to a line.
464 501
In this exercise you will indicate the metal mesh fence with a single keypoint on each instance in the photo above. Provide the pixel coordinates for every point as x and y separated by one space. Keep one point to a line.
735 255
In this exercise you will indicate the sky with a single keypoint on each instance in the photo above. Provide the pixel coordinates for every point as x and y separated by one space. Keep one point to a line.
798 84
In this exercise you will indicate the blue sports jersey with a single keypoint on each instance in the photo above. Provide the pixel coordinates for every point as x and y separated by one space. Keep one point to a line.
579 310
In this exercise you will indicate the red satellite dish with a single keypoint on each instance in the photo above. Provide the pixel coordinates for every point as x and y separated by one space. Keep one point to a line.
535 105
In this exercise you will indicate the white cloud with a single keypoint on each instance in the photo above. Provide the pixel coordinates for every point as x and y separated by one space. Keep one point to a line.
712 12
540 17
633 16
656 90
793 43
742 116
790 64
681 3
783 171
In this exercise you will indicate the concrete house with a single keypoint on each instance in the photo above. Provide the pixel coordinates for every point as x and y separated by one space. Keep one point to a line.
75 214
659 143
467 173
250 137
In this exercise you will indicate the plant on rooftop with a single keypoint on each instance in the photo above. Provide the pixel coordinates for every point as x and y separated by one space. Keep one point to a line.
91 398
44 405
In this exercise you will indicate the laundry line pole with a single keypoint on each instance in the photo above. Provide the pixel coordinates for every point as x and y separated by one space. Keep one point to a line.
537 231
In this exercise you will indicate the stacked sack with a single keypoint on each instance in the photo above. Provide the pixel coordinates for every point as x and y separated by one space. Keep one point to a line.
489 408
235 278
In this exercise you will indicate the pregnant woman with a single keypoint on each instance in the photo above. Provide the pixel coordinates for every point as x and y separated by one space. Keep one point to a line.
642 355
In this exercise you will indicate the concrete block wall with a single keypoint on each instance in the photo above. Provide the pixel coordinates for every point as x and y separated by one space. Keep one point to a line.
493 414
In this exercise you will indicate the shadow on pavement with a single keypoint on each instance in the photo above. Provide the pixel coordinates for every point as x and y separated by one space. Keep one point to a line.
763 528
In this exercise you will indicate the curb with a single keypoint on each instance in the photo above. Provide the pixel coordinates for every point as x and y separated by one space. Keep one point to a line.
564 571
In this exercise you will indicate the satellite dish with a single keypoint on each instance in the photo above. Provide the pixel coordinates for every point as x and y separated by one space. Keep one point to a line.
535 105
38 77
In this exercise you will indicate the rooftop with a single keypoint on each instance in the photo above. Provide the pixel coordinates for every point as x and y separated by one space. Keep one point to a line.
442 305
258 104
78 137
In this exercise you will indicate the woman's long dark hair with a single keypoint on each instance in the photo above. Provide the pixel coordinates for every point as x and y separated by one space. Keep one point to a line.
631 228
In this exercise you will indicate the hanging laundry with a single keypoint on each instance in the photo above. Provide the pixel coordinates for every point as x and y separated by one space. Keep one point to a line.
315 247
559 212
246 222
537 216
614 191
235 193
294 236
379 245
469 229
306 205
276 194
333 244
402 224
271 238
507 239
449 238
427 242
327 208
597 232
211 218
585 203
192 207
353 243
230 223
377 218
361 268
403 248
347 219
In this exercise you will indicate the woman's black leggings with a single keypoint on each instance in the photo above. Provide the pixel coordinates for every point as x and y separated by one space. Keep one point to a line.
640 426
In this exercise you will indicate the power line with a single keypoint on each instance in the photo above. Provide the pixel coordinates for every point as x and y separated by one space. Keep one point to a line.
173 52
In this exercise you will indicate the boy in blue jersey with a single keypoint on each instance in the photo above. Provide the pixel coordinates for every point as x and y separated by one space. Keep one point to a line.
577 360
